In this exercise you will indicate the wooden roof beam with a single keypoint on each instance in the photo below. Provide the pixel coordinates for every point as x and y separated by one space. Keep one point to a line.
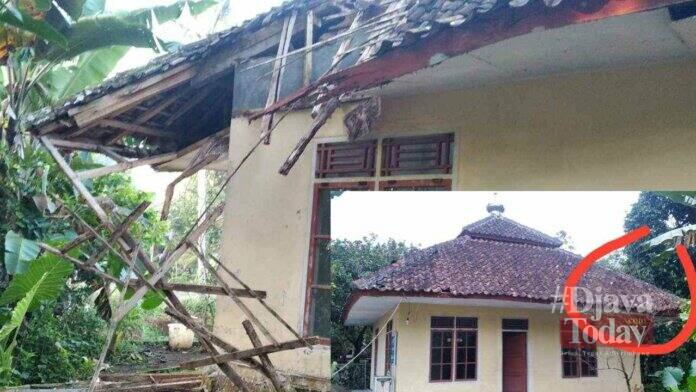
190 104
129 97
130 128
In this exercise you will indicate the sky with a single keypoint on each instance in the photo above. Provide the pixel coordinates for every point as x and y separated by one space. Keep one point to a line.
427 218
187 29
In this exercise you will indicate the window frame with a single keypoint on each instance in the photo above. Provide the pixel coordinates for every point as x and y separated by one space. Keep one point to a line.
454 330
371 182
578 353
314 239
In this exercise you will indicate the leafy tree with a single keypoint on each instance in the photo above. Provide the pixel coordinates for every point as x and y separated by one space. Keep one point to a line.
351 260
659 265
183 215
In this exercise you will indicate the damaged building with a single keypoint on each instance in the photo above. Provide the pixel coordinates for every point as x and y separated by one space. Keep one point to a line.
315 97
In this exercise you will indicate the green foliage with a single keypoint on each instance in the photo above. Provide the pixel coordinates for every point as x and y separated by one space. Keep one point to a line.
62 337
659 265
88 69
351 260
50 270
183 214
59 347
9 329
673 379
52 54
21 19
19 251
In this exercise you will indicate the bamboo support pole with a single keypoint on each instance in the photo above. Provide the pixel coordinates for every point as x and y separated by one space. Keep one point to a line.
127 242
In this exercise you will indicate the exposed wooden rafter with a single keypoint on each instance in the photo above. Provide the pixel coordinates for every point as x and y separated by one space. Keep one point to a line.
127 98
190 104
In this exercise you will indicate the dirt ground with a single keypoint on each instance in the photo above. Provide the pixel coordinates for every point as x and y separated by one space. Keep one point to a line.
158 356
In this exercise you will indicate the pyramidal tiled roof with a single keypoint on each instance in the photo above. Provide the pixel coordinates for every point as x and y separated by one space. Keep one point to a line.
497 227
500 258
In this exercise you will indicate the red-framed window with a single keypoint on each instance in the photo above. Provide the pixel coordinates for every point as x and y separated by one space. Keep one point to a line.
453 348
578 360
317 317
430 154
335 160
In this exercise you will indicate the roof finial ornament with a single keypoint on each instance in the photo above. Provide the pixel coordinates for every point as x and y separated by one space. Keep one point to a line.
495 207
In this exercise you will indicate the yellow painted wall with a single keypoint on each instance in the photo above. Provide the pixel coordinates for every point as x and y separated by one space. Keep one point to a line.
629 129
543 353
625 129
266 237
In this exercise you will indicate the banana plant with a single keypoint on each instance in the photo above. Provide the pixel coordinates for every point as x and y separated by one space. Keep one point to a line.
50 50
8 332
674 379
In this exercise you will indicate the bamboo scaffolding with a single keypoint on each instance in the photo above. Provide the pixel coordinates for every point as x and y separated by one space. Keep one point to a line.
120 237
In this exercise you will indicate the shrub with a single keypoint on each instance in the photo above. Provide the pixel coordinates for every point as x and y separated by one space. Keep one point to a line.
59 348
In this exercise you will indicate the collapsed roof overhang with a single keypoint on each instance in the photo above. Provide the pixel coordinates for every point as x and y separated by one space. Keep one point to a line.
327 52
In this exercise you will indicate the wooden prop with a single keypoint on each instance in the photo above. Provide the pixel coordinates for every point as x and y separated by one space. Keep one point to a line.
247 312
256 351
265 360
258 298
113 323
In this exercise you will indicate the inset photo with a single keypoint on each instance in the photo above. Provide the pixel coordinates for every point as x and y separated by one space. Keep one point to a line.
511 291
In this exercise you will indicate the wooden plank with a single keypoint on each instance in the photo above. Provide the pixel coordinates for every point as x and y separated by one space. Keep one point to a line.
157 109
327 110
185 385
116 234
256 351
148 376
128 97
309 41
204 289
265 360
201 331
65 167
245 47
79 240
87 145
127 165
278 70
